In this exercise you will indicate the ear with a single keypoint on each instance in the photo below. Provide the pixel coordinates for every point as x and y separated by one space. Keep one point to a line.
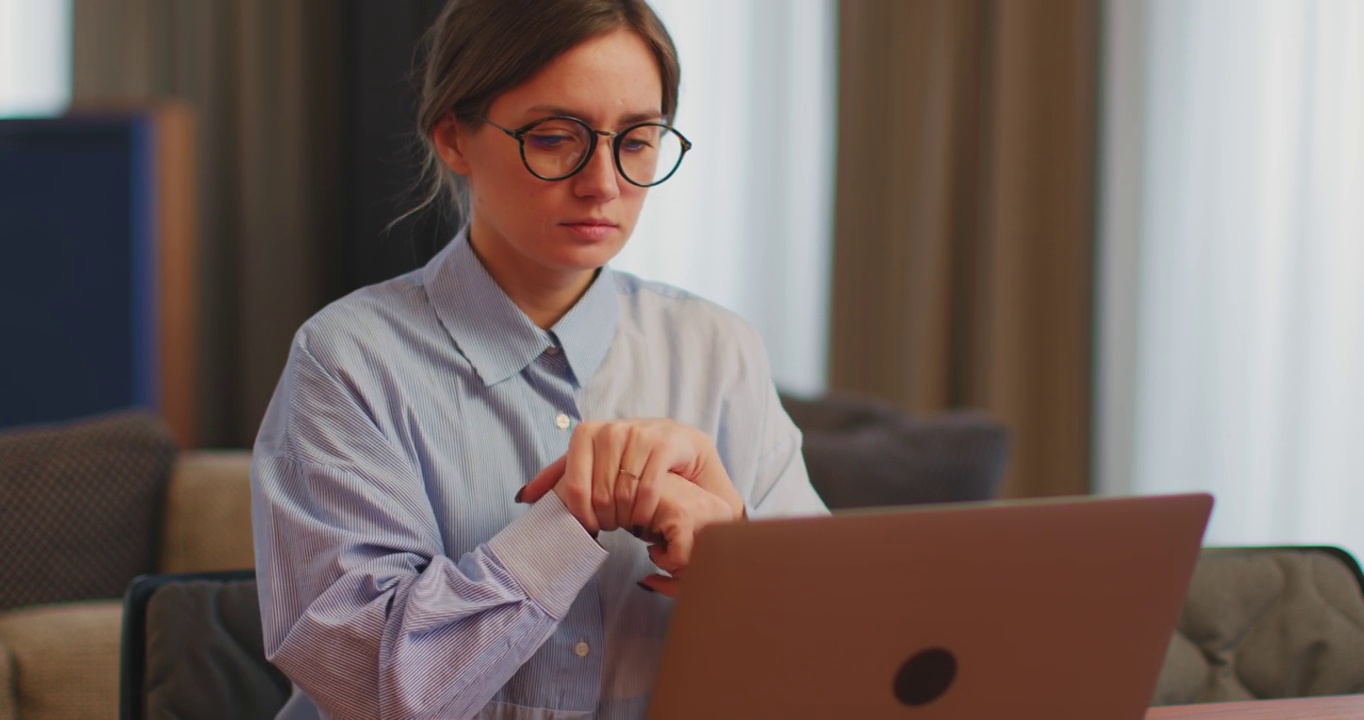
447 136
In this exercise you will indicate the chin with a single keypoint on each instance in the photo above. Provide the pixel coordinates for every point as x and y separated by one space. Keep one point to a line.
584 261
579 255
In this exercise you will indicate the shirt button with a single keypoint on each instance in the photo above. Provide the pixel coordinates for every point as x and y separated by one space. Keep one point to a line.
581 649
562 422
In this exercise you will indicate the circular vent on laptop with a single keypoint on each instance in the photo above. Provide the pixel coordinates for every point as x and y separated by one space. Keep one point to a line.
925 676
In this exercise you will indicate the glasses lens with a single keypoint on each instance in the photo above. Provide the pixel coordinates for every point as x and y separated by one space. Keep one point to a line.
554 148
649 153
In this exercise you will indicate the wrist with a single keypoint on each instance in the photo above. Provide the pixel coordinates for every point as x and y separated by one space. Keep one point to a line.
734 510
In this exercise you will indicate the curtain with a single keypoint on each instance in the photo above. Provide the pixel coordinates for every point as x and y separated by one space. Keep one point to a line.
1234 262
963 220
746 221
262 78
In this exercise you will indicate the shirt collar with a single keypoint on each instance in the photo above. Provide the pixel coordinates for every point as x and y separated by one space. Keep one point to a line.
499 339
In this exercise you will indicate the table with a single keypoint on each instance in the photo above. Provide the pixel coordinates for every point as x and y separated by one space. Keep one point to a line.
1345 707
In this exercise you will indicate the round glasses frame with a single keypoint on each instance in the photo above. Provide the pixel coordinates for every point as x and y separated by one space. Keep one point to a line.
519 134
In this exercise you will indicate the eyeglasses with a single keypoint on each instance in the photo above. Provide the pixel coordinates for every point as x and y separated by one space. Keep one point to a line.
559 146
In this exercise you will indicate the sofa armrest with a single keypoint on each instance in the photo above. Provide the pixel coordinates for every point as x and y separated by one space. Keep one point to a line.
63 659
8 683
208 513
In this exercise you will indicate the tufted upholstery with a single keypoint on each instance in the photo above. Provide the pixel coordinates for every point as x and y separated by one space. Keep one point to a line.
1264 623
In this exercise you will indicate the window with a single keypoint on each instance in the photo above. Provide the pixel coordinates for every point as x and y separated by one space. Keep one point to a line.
1232 335
746 221
35 57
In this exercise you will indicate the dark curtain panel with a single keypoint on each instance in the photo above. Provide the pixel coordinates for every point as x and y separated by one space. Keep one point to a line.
380 143
305 111
964 226
262 79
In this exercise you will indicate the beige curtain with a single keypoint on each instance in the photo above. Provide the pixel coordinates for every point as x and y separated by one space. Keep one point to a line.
964 227
263 80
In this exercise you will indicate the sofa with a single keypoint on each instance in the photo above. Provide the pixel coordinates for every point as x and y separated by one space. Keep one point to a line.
97 502
171 512
1258 622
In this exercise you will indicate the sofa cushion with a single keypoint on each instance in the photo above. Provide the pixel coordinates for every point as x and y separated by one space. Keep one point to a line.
80 507
863 452
65 659
208 513
1261 623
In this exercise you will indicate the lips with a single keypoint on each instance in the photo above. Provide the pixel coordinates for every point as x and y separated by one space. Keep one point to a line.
590 222
591 228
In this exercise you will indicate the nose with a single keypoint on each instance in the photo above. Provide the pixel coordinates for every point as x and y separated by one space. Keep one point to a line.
598 180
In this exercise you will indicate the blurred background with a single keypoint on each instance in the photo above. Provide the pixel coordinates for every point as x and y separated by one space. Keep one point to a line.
1131 229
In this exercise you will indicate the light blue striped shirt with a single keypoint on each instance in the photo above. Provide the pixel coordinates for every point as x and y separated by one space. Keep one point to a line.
397 576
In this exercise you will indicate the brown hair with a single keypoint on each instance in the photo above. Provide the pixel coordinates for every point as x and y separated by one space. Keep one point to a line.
478 49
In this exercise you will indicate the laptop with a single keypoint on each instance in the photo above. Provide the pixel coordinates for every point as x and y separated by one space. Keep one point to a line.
1056 610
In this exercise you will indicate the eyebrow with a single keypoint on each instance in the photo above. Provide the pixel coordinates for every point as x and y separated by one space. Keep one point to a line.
627 119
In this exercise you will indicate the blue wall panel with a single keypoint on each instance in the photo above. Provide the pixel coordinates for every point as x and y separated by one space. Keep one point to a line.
77 268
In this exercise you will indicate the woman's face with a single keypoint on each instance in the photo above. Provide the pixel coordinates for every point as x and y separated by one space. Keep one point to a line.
537 230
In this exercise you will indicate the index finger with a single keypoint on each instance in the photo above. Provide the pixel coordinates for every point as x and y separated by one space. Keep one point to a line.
543 482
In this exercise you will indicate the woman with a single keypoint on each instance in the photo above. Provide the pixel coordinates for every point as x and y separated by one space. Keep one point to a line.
457 510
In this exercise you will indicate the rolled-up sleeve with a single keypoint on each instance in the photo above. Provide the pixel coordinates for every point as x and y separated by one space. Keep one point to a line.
361 607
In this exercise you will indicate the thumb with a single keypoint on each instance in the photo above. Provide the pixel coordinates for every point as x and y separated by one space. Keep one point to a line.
543 482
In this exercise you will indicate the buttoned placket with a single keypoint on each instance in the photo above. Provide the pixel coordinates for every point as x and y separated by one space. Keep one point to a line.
580 631
555 361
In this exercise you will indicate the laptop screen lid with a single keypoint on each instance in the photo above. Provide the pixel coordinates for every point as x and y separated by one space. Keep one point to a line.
1048 609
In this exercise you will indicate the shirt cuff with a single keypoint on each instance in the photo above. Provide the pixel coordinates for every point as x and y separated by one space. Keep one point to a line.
549 553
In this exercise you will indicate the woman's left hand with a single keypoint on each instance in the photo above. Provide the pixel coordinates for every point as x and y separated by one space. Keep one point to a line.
683 511
613 473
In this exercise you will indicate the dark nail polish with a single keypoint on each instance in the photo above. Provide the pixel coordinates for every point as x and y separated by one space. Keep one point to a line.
645 587
637 531
520 494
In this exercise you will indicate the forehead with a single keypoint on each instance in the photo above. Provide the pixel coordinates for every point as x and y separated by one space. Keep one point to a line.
602 80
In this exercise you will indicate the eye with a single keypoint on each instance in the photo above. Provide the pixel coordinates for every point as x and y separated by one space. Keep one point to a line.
549 140
641 138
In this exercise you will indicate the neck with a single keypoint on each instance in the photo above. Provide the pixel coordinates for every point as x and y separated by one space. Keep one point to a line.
545 296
